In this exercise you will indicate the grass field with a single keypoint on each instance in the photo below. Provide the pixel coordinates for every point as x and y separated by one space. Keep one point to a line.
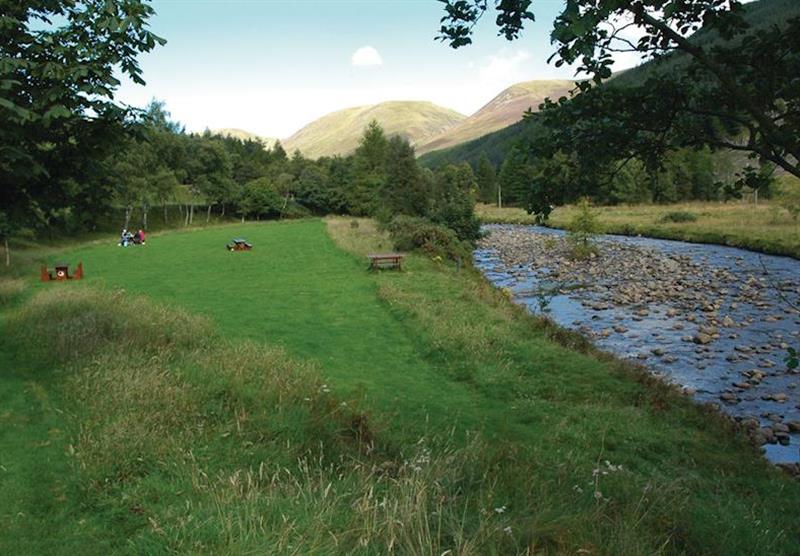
286 401
765 228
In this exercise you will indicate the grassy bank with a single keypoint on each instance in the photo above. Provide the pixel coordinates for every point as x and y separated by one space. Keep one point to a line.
286 401
766 228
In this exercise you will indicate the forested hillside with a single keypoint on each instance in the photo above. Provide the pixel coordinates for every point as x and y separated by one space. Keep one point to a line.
680 175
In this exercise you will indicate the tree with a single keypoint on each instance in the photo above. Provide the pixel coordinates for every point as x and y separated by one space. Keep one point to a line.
259 198
58 121
730 86
515 178
314 192
487 180
209 172
369 170
454 201
403 191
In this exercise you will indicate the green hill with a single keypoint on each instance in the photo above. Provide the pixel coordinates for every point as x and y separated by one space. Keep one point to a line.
340 131
496 145
503 110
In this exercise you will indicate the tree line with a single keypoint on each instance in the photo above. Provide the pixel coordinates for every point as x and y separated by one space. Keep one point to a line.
720 78
160 165
70 156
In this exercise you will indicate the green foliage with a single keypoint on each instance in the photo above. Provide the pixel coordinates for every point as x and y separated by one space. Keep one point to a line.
453 203
486 178
583 227
259 198
58 74
411 233
516 176
731 79
788 197
369 171
404 189
313 191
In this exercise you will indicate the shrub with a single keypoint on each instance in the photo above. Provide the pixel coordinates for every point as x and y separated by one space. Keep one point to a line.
582 228
678 216
788 197
295 210
419 234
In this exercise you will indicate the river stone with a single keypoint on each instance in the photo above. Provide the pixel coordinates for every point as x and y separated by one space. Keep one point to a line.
783 438
728 322
767 434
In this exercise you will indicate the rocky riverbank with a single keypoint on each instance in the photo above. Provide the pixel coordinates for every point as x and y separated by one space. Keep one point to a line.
718 321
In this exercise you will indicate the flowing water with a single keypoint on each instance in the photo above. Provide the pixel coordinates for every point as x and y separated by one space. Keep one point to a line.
741 368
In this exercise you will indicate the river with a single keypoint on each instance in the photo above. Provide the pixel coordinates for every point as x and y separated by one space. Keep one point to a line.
716 320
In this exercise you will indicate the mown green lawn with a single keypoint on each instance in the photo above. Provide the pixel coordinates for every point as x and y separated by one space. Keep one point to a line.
294 289
573 451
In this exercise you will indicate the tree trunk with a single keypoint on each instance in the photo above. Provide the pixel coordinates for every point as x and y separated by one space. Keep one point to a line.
208 214
8 252
144 216
499 196
128 210
283 208
222 211
165 213
186 217
191 213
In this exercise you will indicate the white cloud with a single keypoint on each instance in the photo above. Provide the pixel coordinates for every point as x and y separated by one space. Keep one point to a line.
366 56
505 67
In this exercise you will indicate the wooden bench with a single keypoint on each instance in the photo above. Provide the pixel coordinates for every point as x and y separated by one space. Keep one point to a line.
385 260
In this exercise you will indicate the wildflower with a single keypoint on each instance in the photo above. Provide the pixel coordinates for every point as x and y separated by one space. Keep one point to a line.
507 530
500 510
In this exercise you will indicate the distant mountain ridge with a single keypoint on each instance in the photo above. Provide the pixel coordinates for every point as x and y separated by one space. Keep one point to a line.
338 133
502 111
244 135
497 144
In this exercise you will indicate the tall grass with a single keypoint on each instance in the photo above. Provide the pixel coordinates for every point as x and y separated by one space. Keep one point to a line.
182 440
767 227
187 442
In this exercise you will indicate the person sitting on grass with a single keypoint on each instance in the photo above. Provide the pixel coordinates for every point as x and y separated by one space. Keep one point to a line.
140 233
123 238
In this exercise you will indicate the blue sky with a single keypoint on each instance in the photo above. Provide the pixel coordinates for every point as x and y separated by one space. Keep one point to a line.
271 66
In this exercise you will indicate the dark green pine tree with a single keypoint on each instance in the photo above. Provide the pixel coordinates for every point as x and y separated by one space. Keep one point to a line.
369 170
486 177
454 200
515 178
404 191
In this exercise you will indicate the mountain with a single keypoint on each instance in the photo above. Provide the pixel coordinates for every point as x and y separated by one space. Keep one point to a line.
340 131
496 145
244 135
503 110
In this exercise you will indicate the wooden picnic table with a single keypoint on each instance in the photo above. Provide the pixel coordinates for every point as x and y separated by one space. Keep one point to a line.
386 260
